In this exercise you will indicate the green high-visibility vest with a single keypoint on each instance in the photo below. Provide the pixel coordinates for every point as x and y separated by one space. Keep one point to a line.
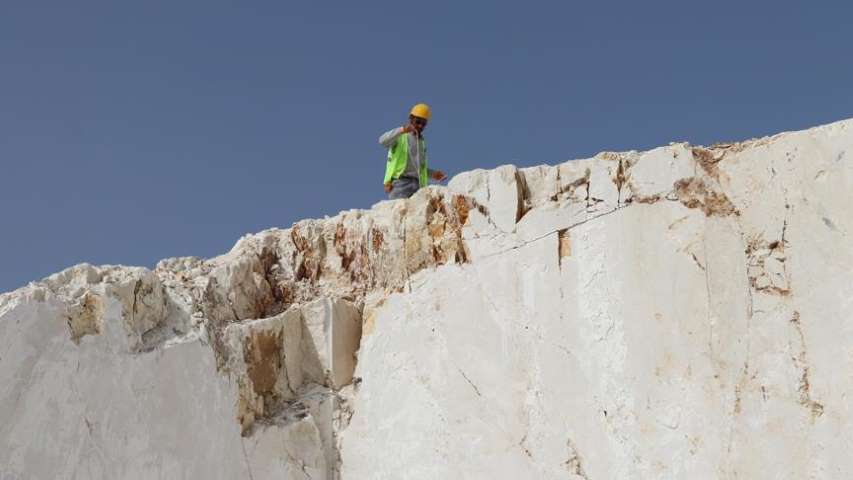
398 158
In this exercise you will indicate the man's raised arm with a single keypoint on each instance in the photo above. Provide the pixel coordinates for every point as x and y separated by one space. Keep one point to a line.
388 138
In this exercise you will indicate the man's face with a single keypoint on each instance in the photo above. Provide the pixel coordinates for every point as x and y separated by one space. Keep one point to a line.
418 122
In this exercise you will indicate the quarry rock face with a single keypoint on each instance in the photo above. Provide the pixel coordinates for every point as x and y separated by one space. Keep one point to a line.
683 312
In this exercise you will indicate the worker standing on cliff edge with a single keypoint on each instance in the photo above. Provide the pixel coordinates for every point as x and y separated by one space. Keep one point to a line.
406 170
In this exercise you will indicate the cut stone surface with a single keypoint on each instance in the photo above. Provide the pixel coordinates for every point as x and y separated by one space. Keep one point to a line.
335 329
677 313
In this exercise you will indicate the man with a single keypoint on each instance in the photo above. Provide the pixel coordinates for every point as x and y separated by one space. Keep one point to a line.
406 170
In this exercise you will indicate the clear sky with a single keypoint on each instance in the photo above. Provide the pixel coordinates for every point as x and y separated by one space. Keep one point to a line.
134 131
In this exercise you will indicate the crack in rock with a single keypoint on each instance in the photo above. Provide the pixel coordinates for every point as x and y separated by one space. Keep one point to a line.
801 362
476 390
574 464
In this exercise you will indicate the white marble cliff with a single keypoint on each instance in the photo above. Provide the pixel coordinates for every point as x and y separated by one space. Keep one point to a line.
680 313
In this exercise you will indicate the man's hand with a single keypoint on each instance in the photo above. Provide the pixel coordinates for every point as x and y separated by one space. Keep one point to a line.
438 175
412 129
388 187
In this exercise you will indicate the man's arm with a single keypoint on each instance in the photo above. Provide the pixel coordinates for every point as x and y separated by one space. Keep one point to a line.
388 138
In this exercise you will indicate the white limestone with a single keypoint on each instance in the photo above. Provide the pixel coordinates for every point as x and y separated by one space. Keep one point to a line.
677 313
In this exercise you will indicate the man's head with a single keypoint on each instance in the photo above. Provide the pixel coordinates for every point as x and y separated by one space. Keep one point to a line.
419 116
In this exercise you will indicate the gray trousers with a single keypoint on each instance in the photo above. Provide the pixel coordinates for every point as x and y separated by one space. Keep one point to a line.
404 187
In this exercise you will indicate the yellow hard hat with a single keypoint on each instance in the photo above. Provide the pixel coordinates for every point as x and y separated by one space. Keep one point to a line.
421 110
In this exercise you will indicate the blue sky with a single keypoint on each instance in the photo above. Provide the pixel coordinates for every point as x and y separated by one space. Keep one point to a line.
134 131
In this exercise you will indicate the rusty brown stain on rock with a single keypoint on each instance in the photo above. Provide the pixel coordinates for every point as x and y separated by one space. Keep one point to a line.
436 229
267 268
262 354
360 273
611 156
353 252
759 253
564 247
461 255
340 235
300 242
696 193
621 176
707 160
435 206
769 289
438 255
340 243
412 247
646 199
288 296
377 239
443 233
368 324
84 318
307 264
460 204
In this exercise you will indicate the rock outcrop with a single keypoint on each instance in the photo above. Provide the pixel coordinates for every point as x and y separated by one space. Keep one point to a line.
676 313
